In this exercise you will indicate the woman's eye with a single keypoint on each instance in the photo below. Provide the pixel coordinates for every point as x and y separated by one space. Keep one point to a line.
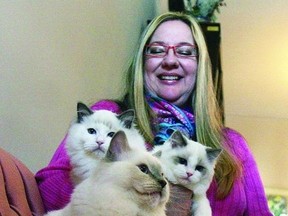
187 51
144 168
91 131
199 168
182 161
110 134
155 50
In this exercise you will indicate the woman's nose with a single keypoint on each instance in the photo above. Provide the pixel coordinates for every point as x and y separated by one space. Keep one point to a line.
170 60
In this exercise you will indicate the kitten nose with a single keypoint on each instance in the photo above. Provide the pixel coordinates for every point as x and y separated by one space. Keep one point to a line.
162 183
189 174
100 142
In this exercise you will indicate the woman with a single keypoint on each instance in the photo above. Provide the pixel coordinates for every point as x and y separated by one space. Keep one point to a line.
169 85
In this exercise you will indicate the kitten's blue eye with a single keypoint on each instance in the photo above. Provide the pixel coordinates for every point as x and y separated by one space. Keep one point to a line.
199 168
110 134
144 168
182 161
91 131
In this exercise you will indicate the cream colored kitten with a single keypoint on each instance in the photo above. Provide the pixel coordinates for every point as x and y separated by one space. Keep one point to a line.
127 182
191 165
89 137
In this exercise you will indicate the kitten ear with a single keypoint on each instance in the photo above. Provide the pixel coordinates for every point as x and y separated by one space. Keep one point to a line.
213 154
177 139
118 146
127 118
82 110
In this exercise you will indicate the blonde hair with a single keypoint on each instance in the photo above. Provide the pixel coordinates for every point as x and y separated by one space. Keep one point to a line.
208 119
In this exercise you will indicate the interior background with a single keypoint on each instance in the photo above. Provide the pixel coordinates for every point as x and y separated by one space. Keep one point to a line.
56 53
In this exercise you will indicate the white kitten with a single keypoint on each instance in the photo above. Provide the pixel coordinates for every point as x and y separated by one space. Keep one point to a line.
127 182
89 138
191 165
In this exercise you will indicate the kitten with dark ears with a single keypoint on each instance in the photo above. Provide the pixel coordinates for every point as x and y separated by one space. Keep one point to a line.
191 165
126 182
90 134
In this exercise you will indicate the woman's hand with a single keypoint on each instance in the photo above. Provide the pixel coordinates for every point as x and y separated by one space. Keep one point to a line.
180 201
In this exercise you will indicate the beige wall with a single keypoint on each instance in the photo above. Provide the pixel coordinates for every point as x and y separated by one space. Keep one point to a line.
54 54
254 53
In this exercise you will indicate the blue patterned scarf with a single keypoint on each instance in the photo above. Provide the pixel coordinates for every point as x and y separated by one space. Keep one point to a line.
169 118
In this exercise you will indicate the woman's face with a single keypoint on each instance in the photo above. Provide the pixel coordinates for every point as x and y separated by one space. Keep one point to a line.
170 77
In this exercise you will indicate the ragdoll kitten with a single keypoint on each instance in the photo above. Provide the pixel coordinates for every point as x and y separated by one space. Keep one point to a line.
126 182
191 165
89 137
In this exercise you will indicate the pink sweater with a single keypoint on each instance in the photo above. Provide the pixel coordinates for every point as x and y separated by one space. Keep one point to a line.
247 196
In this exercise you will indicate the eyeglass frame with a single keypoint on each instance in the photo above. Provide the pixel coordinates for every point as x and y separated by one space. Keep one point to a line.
173 47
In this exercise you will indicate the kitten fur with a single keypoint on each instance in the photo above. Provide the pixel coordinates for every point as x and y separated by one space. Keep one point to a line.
191 165
89 137
126 182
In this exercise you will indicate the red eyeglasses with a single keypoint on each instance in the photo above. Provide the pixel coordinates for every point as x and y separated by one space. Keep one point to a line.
180 50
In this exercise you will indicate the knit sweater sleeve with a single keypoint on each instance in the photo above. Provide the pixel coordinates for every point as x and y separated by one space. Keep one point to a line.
256 201
54 180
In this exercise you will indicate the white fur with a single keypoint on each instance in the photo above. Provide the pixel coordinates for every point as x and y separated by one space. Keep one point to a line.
84 149
120 188
199 182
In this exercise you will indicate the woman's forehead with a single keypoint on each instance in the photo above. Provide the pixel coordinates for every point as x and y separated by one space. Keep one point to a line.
173 32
